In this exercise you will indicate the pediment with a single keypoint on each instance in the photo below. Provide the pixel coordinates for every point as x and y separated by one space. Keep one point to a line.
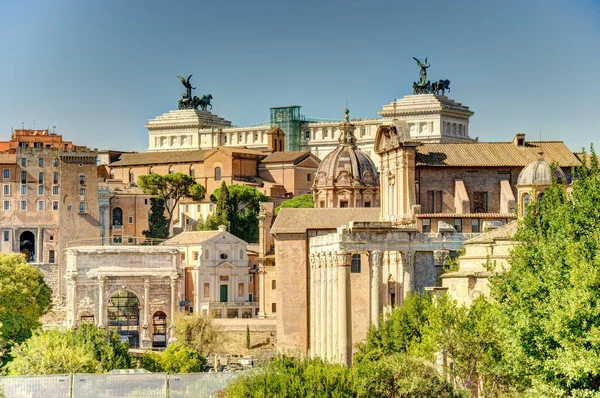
225 238
226 264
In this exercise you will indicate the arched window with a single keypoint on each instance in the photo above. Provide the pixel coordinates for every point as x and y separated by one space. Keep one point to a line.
241 254
151 170
112 174
117 216
217 174
131 176
526 200
192 172
171 170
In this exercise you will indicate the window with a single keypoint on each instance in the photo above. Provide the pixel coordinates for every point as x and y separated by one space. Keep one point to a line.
217 174
6 205
307 135
308 177
6 236
475 225
151 170
479 202
192 172
55 205
117 216
241 290
130 220
367 203
51 237
325 132
355 265
55 162
23 177
273 284
24 205
182 257
131 176
343 203
434 199
250 279
458 224
23 162
37 144
195 256
41 177
171 170
40 205
55 177
526 200
82 192
41 162
82 207
207 290
81 180
273 308
6 189
146 202
55 190
23 189
426 225
6 173
223 256
40 189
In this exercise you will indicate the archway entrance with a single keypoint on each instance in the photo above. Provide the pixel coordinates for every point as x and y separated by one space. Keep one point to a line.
124 317
27 245
159 329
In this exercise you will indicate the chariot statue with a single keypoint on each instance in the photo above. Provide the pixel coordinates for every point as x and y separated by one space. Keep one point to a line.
424 86
188 101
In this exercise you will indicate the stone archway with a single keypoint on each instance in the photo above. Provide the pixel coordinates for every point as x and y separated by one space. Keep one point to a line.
159 329
27 245
124 317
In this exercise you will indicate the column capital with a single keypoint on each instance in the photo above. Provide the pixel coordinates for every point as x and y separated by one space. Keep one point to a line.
344 259
439 256
408 257
376 258
146 282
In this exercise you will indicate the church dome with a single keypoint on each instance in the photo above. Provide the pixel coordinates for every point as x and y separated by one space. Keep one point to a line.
347 164
540 173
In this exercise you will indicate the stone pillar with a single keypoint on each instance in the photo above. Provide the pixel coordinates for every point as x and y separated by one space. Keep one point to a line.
344 314
329 307
146 342
408 266
174 279
39 247
335 310
101 286
317 306
375 270
311 287
71 301
323 309
198 291
261 291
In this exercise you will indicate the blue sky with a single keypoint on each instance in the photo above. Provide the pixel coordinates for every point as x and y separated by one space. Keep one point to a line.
99 69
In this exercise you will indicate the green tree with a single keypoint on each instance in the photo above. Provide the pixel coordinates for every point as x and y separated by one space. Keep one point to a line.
552 290
158 223
247 336
171 188
197 333
24 298
237 207
175 359
301 201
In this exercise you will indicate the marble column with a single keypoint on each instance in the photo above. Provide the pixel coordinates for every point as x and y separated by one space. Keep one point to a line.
323 309
261 290
335 310
344 314
72 301
145 336
39 249
174 306
101 286
311 287
375 270
329 307
408 268
317 313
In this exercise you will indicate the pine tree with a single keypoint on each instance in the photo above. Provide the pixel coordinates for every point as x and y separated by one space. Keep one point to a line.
247 337
159 225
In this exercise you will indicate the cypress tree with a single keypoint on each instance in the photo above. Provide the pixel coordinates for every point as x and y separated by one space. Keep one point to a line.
159 225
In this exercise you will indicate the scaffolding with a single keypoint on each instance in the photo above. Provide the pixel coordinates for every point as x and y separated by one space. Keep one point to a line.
288 118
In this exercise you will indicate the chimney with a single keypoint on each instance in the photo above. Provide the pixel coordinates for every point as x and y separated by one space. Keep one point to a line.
519 139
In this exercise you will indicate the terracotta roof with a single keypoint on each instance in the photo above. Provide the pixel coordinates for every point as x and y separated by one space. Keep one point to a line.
253 248
299 220
166 157
8 158
493 154
291 156
466 215
505 232
587 157
233 150
191 237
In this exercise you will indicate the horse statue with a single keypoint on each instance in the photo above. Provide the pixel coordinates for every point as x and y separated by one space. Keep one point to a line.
205 102
441 85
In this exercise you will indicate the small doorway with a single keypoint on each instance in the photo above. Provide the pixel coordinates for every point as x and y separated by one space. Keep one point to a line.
250 298
27 246
159 329
223 290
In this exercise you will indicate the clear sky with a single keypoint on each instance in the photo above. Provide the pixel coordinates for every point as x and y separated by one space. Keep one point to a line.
100 69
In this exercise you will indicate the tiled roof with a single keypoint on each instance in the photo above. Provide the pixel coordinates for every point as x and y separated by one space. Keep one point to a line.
505 232
8 158
299 220
586 156
493 154
291 156
191 237
166 157
243 150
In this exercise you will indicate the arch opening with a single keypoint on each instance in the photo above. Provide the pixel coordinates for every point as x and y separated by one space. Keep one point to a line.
124 317
27 246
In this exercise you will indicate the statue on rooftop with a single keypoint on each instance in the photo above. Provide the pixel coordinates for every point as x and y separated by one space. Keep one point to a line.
423 73
424 86
188 101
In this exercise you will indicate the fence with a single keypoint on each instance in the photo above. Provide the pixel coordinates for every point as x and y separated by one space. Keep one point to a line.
135 385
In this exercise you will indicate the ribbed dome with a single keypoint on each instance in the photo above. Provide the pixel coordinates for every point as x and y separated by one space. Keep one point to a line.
540 173
347 164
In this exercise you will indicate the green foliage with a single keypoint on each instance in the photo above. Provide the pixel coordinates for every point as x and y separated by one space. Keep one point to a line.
86 350
247 337
451 262
197 333
237 207
24 298
159 225
175 359
171 188
552 290
301 201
